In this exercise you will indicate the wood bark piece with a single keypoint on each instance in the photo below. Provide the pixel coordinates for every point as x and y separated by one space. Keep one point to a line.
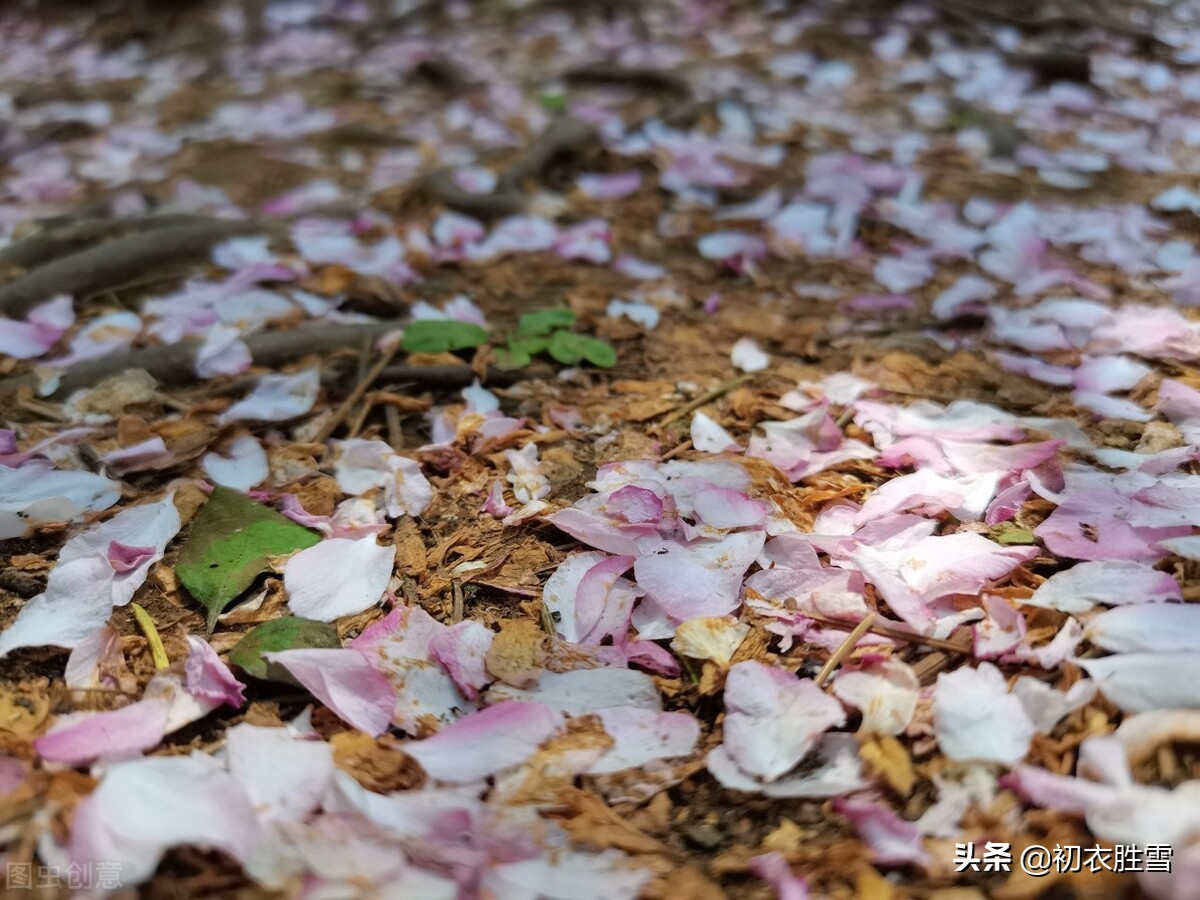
118 262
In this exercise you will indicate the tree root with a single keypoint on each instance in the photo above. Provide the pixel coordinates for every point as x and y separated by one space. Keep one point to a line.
562 137
963 10
608 73
175 364
55 243
118 262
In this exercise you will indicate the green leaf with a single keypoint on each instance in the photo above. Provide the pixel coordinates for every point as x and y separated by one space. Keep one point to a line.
569 348
440 335
228 546
544 321
288 633
1016 536
553 102
519 352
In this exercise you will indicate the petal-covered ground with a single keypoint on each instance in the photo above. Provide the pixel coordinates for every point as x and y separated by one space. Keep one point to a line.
598 451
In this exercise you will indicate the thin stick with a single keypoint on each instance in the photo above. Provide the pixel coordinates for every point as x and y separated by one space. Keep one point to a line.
894 633
456 614
719 391
157 650
844 648
395 432
357 394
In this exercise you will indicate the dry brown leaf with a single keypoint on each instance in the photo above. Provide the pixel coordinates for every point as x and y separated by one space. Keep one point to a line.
887 758
518 653
374 763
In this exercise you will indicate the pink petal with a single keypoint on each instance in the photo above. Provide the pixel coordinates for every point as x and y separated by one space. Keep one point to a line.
124 558
700 578
609 187
114 734
773 869
208 678
284 776
345 681
1002 630
894 841
96 661
486 742
604 601
709 437
726 508
583 691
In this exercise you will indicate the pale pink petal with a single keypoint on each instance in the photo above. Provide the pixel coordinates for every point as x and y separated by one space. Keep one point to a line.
244 467
485 742
277 398
1000 632
77 601
609 187
338 577
642 736
773 719
562 588
345 681
1153 628
223 352
1109 582
837 771
604 600
284 777
137 457
495 505
709 437
977 719
1046 706
96 661
1139 682
528 483
748 356
583 691
143 808
43 327
726 508
885 692
571 875
461 650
